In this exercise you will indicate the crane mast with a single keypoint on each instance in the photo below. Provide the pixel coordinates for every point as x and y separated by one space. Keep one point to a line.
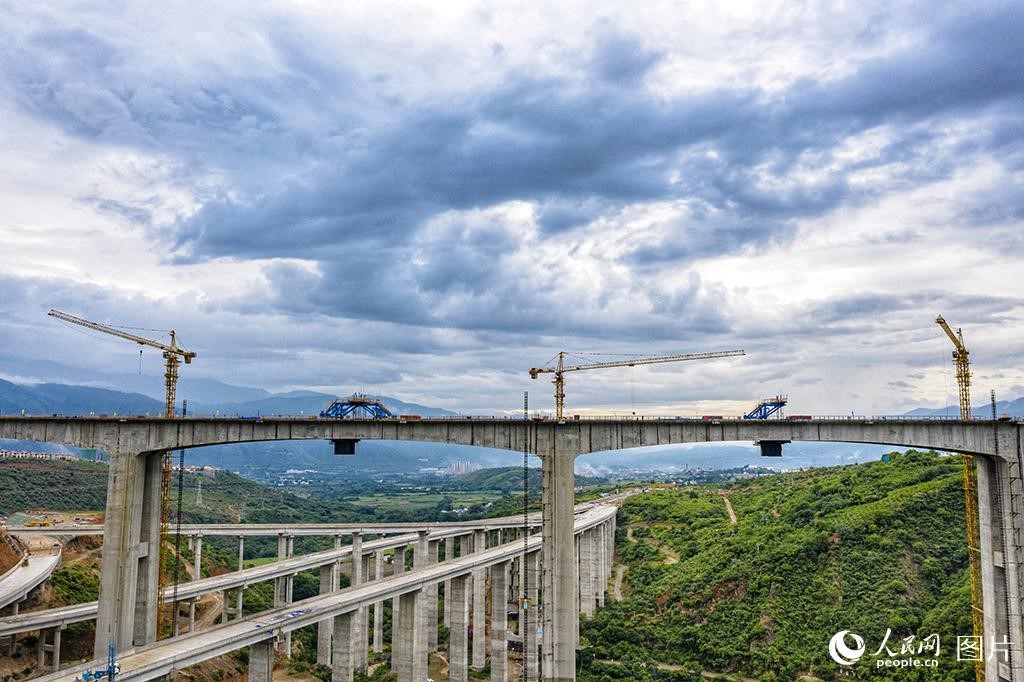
560 368
173 354
961 358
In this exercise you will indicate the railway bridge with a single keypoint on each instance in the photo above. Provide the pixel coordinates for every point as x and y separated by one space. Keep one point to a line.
128 590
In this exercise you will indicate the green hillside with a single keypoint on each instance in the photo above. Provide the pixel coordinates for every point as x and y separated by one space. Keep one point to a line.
510 479
227 498
860 548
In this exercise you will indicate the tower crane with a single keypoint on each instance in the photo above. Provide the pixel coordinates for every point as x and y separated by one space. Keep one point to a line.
560 368
173 354
961 358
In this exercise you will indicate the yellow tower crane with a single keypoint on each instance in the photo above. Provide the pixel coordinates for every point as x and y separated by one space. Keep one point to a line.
961 358
173 355
560 368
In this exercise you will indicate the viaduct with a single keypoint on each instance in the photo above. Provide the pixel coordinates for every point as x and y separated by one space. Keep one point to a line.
129 584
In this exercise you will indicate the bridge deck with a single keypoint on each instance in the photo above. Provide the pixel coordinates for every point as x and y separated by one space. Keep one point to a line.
21 580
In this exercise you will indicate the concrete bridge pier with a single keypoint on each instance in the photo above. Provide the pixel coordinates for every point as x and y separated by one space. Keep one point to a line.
283 589
358 641
129 582
53 648
529 619
378 607
325 627
411 654
197 557
420 560
1000 508
261 661
398 567
458 646
601 577
586 576
342 665
241 552
479 604
449 554
499 622
431 592
560 581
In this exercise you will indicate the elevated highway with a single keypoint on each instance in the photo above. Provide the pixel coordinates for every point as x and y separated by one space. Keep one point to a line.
22 579
243 578
134 446
292 529
411 591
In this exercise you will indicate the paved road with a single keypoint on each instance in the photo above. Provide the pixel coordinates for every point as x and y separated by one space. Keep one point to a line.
16 584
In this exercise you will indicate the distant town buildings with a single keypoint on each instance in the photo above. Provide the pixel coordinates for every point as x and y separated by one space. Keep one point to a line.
207 471
22 454
461 467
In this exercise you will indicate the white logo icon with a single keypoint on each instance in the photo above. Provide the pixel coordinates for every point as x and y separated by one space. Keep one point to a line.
842 654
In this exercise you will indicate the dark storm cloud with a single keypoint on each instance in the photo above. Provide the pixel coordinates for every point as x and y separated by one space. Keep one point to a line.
869 309
316 165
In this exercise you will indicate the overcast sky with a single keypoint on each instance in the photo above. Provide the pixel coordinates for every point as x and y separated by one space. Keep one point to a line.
427 200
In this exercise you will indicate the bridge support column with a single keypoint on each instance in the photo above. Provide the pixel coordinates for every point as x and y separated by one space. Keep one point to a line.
398 567
586 573
128 597
261 661
241 552
420 559
378 607
529 618
1000 509
358 640
560 616
378 643
342 666
197 557
449 554
499 622
53 648
479 604
283 588
600 577
412 658
191 615
364 623
458 652
324 627
431 591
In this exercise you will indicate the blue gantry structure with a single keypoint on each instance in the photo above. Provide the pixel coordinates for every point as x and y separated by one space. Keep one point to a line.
767 408
357 405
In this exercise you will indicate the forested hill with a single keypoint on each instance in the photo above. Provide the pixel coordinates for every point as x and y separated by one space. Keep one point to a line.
227 498
861 548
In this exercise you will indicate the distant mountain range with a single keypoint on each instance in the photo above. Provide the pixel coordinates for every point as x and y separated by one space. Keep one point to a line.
76 399
1014 408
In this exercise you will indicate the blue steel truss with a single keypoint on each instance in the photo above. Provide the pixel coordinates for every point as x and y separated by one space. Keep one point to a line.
355 406
767 407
